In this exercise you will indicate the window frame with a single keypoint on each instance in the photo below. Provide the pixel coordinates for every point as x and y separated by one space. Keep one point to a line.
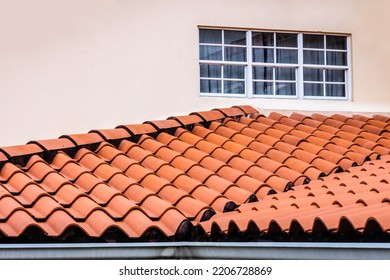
249 65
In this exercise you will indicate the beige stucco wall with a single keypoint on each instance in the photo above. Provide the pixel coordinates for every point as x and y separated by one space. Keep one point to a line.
75 65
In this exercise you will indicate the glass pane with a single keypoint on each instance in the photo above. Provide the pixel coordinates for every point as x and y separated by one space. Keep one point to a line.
262 39
263 88
210 53
263 55
210 71
233 87
313 41
335 76
210 86
263 73
235 37
313 57
285 89
212 36
313 89
233 72
286 40
287 56
335 90
235 54
285 74
336 58
336 42
313 74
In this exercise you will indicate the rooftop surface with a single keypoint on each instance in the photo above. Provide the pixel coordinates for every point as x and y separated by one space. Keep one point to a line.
229 174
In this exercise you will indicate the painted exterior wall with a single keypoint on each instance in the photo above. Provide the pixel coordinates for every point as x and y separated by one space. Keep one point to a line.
76 65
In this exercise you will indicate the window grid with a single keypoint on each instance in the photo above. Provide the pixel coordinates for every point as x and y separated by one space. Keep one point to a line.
323 68
297 86
275 82
226 81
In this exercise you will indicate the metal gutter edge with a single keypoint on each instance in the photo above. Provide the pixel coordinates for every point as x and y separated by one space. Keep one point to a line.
198 250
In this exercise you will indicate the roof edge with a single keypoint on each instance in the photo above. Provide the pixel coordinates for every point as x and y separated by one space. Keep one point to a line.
199 250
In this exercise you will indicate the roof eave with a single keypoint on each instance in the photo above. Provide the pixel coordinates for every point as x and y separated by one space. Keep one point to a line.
198 250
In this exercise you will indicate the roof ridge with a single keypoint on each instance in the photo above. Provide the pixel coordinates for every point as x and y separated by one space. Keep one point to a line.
20 154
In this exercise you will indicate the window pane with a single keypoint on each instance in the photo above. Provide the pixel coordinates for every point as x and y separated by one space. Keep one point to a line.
233 72
313 41
285 89
235 54
210 53
210 86
233 86
263 73
263 88
286 40
336 42
287 56
335 76
285 74
335 90
210 36
262 39
210 71
235 37
313 89
313 74
263 55
336 58
313 57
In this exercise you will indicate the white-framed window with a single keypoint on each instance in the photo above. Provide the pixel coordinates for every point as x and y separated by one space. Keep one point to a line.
255 63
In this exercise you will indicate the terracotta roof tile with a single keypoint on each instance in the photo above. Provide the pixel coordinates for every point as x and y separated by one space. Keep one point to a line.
230 112
54 144
138 129
154 163
22 150
209 115
112 134
155 207
84 139
299 117
52 182
312 122
320 117
212 164
265 121
246 109
381 118
17 223
341 118
192 208
373 122
8 170
373 129
17 183
305 128
164 124
168 172
187 120
194 154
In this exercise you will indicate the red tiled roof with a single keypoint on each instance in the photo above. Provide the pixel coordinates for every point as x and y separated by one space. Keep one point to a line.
221 174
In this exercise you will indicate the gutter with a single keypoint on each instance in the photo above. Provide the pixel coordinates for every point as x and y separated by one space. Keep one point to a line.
198 250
